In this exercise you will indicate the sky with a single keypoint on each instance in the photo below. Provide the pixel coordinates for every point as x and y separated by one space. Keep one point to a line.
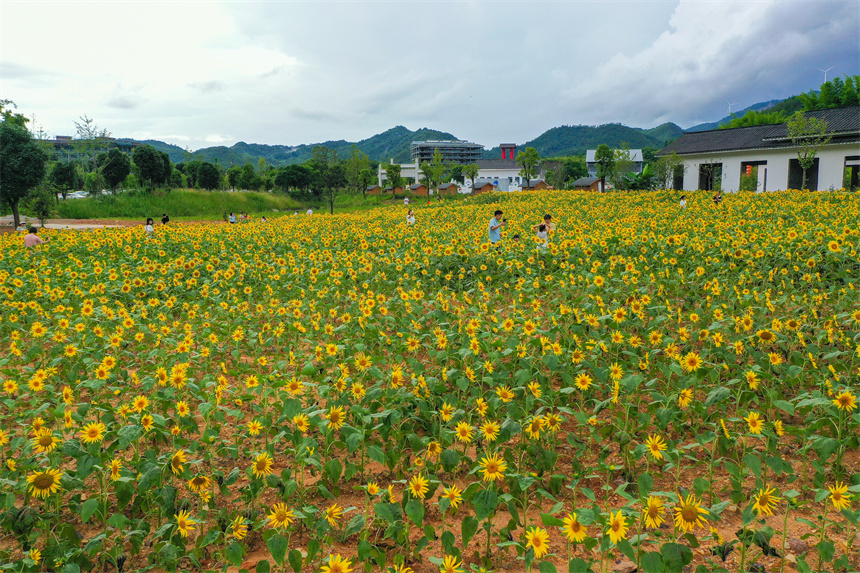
198 74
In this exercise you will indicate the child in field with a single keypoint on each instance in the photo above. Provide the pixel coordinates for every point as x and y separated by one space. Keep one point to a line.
542 236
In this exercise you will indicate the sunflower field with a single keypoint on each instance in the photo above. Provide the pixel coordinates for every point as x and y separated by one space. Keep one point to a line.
658 390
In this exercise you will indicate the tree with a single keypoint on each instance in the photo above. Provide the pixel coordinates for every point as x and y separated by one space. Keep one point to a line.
456 173
208 176
528 161
807 133
623 166
233 175
665 169
605 159
357 162
116 169
393 177
293 177
64 177
425 173
41 202
471 171
328 173
365 178
22 162
166 168
89 142
436 169
150 165
752 117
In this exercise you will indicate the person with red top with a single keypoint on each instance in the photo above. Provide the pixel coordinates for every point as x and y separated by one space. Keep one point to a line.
32 239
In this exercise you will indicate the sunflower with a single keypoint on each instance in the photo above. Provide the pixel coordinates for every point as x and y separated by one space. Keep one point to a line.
93 432
845 401
765 501
176 462
337 564
464 432
538 540
418 486
240 530
653 512
691 362
43 484
688 514
533 427
839 496
481 406
199 483
766 336
656 446
402 568
44 441
434 449
453 495
493 467
302 422
755 422
583 381
490 430
281 515
446 412
450 565
139 404
115 466
333 513
372 488
335 417
182 409
184 523
147 421
573 530
263 465
617 527
685 397
254 427
505 394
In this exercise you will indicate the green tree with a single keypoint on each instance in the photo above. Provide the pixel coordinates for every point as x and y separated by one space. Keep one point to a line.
294 176
150 165
623 167
455 173
22 162
752 117
208 176
665 169
436 170
357 162
328 173
41 202
849 92
528 161
90 141
233 176
809 135
116 168
393 177
471 171
64 177
365 178
604 157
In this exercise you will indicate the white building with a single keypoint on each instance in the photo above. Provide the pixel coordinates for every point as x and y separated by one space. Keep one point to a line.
635 157
503 173
767 158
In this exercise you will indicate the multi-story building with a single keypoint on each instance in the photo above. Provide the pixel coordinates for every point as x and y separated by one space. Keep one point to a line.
462 152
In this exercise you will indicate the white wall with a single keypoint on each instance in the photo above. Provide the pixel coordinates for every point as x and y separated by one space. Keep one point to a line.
831 164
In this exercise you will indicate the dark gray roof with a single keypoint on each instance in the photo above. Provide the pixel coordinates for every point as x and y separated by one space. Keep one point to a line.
842 123
585 181
416 186
448 185
369 187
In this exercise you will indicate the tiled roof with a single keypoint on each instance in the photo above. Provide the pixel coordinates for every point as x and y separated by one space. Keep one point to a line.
842 123
497 163
585 181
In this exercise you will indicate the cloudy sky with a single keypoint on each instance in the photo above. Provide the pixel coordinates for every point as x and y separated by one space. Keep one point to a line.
289 72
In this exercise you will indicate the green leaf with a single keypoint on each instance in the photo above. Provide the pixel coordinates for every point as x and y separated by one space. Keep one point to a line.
676 557
546 567
415 511
263 566
355 525
753 462
551 520
646 484
718 394
376 454
652 562
88 508
277 545
485 502
333 469
448 542
826 550
577 565
384 511
468 529
296 560
450 460
234 554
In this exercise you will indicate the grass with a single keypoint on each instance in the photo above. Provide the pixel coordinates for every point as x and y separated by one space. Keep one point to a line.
179 204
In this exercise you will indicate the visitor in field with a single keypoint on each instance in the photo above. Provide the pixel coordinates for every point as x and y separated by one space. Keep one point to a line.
32 239
542 236
149 226
310 211
406 201
683 202
718 198
547 222
410 217
494 229
232 218
165 219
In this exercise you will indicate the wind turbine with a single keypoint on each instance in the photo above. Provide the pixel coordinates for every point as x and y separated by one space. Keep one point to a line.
730 106
825 72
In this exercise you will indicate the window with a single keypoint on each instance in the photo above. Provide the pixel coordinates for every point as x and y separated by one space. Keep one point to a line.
795 175
710 176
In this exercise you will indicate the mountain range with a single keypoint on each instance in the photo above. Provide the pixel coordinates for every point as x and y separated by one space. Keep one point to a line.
562 141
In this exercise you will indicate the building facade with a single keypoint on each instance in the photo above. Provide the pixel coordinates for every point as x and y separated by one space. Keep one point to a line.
456 151
764 157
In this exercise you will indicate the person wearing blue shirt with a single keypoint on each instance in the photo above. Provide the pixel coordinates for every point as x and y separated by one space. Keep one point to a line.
494 229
